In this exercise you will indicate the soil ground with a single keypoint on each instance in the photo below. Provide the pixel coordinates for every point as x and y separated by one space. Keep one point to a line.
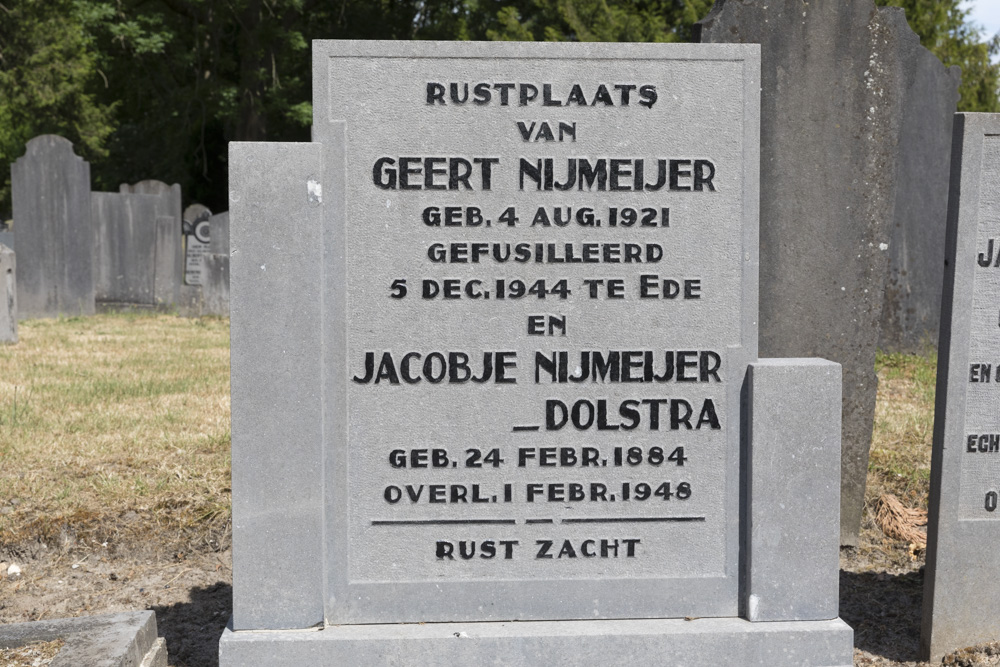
881 587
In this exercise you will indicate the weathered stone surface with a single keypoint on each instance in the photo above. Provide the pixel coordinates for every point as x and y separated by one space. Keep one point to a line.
911 312
218 243
137 249
215 267
125 247
832 86
961 586
793 458
379 570
404 455
54 233
703 642
278 518
170 239
197 235
215 284
7 237
8 295
126 639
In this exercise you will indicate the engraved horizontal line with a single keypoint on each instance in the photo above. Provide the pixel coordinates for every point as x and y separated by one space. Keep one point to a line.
639 519
531 521
518 429
568 56
443 522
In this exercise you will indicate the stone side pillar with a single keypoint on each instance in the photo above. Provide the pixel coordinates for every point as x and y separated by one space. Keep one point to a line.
792 490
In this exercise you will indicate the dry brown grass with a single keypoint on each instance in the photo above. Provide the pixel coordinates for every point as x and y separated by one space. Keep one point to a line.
37 654
115 428
900 461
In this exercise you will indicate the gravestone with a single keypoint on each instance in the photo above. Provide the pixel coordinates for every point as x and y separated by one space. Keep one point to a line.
197 223
8 295
169 270
7 236
833 82
215 267
961 587
126 238
54 234
494 359
911 311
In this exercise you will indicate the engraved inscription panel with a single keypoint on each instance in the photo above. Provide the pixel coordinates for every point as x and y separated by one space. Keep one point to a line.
980 483
550 274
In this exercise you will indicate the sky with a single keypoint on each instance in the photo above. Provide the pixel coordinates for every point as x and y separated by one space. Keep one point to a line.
986 13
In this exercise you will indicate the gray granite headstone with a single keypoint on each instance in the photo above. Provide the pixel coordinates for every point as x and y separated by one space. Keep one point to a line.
961 582
7 237
126 237
170 239
832 88
197 225
215 267
52 224
490 360
8 295
911 312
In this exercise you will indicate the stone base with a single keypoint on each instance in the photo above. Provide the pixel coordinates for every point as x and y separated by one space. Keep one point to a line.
110 640
704 642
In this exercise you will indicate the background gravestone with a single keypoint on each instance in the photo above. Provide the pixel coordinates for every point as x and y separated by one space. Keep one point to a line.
169 268
8 295
197 235
125 251
54 233
453 376
215 267
961 587
7 237
833 82
911 312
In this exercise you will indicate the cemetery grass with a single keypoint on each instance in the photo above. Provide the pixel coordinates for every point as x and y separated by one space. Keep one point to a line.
114 473
114 484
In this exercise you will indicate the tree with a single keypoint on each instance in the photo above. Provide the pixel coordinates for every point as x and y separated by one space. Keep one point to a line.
157 88
944 29
591 20
49 81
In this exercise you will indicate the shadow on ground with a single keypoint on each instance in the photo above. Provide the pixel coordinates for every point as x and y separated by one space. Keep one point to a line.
192 629
884 610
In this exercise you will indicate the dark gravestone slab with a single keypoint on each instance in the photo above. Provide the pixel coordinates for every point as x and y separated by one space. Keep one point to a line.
125 247
912 307
8 295
55 237
832 84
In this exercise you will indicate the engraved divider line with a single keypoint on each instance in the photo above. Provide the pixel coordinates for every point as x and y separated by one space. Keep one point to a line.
519 429
444 522
638 519
511 522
